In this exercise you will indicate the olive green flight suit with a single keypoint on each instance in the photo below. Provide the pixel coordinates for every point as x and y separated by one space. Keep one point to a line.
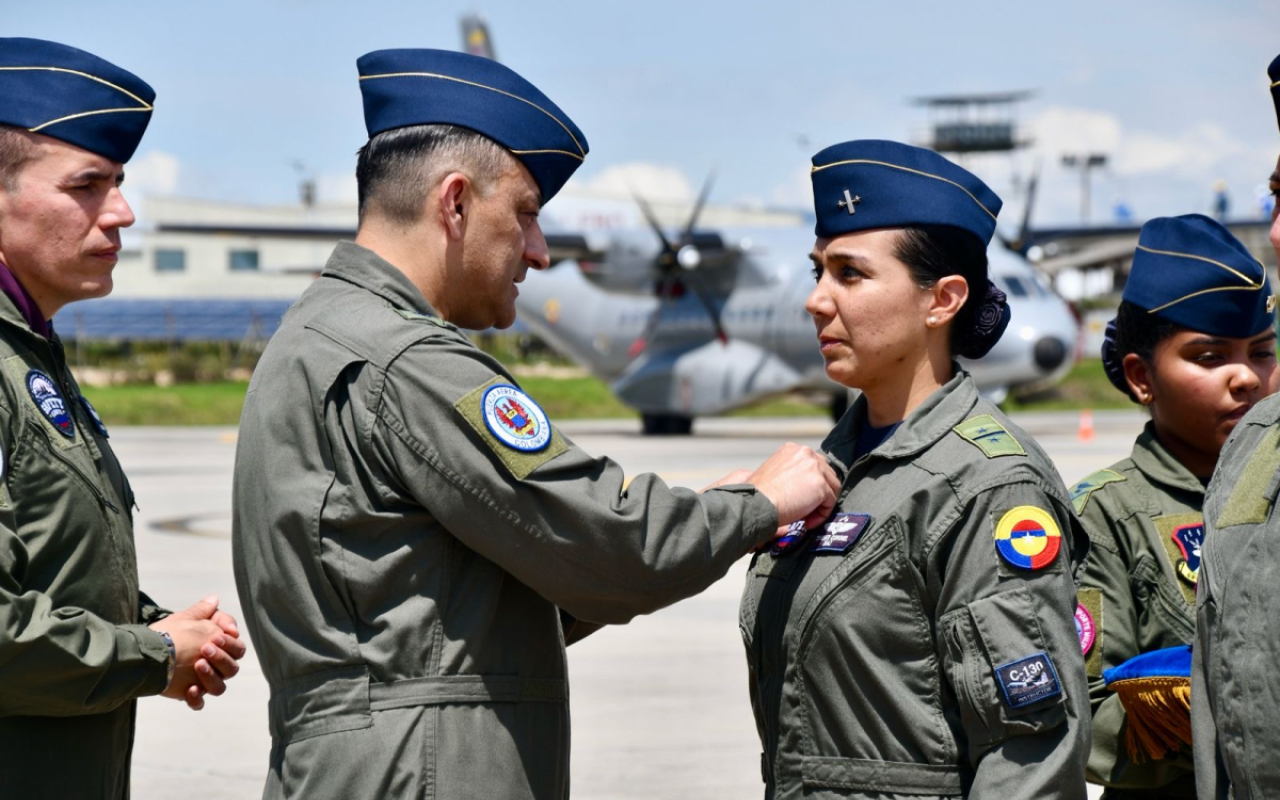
401 569
75 651
1235 674
875 672
1138 590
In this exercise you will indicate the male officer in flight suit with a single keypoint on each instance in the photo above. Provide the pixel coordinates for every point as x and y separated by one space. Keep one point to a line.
1235 675
409 524
79 642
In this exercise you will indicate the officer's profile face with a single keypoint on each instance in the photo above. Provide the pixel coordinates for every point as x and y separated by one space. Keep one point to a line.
60 223
1199 386
869 313
502 242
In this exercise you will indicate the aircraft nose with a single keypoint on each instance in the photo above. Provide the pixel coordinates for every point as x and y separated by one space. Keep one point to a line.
1049 353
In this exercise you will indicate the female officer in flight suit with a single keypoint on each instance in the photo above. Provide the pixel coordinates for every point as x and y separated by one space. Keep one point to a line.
921 642
1193 343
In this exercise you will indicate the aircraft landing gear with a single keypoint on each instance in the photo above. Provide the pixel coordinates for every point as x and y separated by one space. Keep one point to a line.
666 425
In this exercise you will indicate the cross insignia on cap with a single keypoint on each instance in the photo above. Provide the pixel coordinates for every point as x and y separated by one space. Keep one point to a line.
1271 303
849 201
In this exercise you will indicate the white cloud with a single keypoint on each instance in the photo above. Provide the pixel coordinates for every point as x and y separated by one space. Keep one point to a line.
154 173
654 182
337 188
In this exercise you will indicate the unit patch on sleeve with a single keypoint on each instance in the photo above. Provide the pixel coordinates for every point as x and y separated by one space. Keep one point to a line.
989 436
790 540
513 425
1091 627
1028 537
840 533
1028 680
1082 491
44 393
1085 629
94 418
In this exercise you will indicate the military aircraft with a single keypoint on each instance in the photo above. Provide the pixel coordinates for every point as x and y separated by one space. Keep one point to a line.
723 324
708 321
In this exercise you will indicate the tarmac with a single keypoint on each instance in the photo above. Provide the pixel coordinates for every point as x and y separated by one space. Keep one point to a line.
659 707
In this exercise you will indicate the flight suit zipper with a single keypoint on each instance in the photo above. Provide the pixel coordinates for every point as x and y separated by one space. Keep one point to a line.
870 559
93 487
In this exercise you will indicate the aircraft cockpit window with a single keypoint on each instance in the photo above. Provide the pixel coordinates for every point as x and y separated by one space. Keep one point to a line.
1016 287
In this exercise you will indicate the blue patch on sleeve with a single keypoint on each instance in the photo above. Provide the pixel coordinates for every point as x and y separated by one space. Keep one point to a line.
1028 680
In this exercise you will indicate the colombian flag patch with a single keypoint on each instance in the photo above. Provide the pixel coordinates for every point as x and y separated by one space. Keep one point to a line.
1028 537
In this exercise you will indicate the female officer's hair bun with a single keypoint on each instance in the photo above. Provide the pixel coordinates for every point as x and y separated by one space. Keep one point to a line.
1137 331
931 252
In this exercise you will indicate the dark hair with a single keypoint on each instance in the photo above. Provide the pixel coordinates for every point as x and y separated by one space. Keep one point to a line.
1134 330
932 252
15 151
396 169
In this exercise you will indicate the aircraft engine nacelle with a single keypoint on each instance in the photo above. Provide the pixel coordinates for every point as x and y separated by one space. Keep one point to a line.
704 380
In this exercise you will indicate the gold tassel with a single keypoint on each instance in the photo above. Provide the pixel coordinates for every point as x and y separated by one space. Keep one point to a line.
1159 716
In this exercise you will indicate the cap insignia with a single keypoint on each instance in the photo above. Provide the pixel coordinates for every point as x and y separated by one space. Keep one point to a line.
849 201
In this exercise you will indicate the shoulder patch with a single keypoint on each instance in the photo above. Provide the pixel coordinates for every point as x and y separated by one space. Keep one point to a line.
44 393
1084 489
1089 615
513 426
1248 502
414 315
1028 680
989 436
1028 537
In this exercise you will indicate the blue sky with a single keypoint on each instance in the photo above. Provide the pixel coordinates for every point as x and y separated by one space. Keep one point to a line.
1173 91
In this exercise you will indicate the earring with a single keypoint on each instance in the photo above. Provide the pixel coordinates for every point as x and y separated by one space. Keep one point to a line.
932 321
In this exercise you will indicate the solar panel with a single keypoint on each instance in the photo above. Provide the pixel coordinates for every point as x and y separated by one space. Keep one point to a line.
178 320
170 320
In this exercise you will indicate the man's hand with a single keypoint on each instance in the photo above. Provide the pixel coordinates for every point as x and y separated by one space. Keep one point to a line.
800 484
207 644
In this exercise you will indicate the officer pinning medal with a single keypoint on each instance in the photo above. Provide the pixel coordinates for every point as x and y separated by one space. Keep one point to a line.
463 539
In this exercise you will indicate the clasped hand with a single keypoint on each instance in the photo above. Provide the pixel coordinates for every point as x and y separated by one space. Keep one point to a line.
207 646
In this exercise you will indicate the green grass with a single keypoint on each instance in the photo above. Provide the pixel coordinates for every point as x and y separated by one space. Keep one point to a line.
1086 386
182 404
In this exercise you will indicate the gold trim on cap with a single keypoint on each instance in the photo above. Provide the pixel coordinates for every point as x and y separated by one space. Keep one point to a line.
1238 274
1205 291
1274 85
905 169
145 105
1250 285
581 152
70 117
537 152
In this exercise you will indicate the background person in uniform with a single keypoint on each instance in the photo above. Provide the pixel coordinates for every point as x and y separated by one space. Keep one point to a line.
1193 343
408 521
78 641
1235 676
920 643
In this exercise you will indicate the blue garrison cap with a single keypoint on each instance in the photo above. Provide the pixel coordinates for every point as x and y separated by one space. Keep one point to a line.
441 87
1273 74
59 91
1191 271
877 184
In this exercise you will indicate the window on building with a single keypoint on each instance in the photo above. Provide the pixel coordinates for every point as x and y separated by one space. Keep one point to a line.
171 260
243 260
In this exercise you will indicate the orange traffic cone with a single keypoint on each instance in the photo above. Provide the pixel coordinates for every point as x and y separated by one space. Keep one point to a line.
1085 431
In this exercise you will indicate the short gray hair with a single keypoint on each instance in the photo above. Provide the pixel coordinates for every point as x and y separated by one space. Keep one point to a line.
397 169
16 150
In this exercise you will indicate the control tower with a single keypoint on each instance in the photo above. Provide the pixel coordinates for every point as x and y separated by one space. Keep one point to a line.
974 123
